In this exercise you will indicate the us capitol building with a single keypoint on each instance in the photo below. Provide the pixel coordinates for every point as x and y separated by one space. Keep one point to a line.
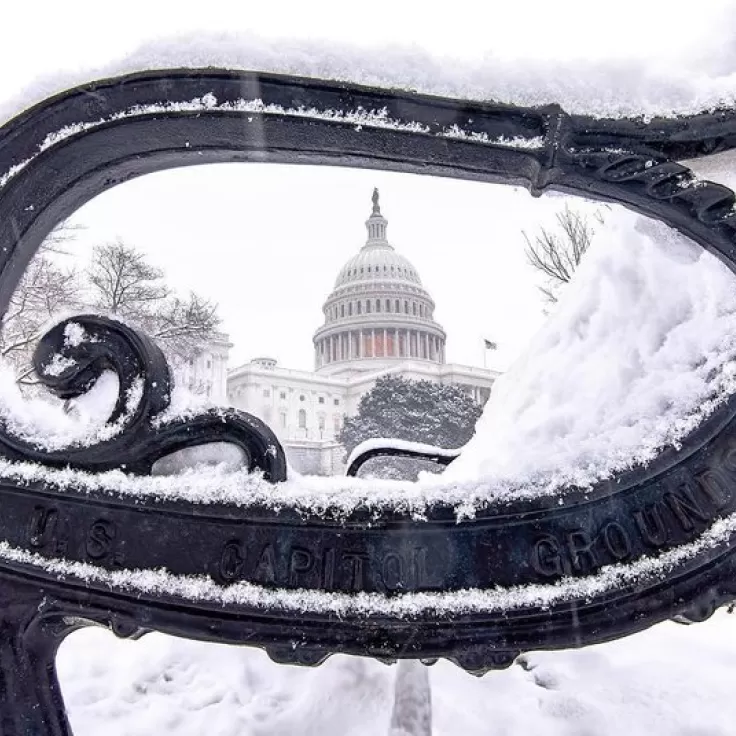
379 320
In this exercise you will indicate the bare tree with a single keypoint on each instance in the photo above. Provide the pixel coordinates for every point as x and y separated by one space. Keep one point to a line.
45 290
64 232
122 282
118 281
184 325
557 253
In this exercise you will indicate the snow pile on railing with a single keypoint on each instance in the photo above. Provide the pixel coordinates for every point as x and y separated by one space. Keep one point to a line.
443 603
638 353
44 422
359 117
52 424
606 88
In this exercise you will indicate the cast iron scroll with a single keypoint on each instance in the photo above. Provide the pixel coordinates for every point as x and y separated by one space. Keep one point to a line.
70 551
70 358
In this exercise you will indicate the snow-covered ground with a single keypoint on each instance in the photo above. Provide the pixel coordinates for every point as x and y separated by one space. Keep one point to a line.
672 680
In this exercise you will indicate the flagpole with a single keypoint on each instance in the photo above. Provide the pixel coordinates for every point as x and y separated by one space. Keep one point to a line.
487 345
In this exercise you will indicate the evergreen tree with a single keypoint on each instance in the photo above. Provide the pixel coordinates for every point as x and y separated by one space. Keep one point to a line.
418 411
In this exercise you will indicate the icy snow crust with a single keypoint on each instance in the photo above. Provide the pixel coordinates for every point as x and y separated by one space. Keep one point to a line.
601 89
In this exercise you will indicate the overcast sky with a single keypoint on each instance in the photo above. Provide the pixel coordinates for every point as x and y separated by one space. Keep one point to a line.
266 242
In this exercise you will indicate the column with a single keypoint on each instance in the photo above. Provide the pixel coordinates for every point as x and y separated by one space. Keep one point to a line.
385 342
360 344
396 344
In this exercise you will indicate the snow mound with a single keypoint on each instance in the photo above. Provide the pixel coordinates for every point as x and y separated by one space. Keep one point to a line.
604 88
638 352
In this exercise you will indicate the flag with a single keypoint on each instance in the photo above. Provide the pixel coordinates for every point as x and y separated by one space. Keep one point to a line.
490 345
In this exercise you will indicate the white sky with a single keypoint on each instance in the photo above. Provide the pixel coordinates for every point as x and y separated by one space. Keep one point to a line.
266 242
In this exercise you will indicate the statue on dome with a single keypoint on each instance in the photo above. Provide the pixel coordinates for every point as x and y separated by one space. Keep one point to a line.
376 209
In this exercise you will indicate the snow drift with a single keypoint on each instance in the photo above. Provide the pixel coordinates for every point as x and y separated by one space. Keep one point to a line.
637 353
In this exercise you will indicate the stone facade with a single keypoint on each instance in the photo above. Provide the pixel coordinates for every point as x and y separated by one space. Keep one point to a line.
379 320
207 372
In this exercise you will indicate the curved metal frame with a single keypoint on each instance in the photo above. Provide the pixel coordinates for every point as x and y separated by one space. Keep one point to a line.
399 585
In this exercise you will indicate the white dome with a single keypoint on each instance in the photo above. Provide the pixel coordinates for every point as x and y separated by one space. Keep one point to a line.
379 262
378 312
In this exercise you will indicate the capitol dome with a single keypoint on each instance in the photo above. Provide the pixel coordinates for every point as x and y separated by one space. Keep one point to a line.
377 263
378 312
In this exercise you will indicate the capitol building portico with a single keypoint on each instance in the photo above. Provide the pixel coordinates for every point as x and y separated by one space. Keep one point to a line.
378 320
